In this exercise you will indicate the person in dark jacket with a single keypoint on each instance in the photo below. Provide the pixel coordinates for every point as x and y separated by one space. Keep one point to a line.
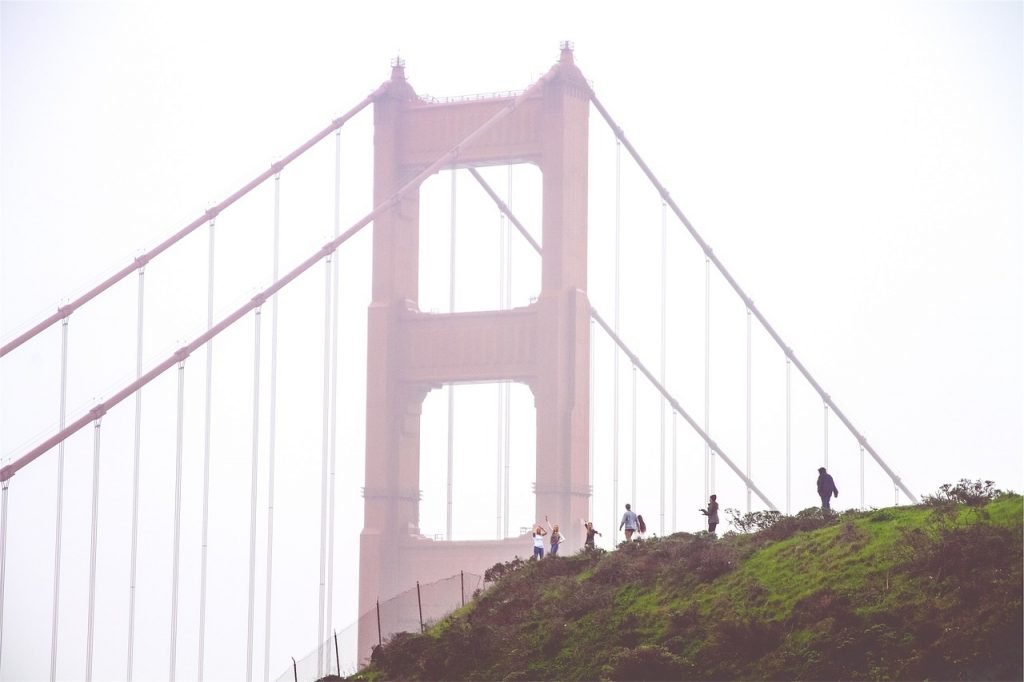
712 513
591 532
826 488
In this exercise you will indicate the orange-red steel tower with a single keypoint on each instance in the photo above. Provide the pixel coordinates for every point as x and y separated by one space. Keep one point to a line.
545 345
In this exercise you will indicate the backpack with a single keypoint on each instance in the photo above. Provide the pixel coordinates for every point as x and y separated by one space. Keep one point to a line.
640 523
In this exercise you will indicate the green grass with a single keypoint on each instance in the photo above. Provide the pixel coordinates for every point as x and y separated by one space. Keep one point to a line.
900 593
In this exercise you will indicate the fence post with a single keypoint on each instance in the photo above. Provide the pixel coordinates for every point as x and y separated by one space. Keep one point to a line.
295 669
462 581
419 601
380 640
337 656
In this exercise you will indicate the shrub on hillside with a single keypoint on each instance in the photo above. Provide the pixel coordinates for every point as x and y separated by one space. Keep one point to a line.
501 569
972 493
706 558
967 553
647 662
773 525
752 522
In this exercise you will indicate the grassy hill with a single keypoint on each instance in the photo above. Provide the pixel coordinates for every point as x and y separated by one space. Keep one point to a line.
924 592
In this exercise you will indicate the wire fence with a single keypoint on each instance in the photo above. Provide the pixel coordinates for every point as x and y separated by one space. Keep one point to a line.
411 611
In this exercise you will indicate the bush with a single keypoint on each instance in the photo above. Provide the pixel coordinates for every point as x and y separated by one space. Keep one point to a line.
971 493
647 662
966 554
751 522
501 569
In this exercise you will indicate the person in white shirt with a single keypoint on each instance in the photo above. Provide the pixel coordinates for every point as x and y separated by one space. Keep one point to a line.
538 542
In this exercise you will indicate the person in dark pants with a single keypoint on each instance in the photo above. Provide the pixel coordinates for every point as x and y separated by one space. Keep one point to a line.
712 513
589 544
826 488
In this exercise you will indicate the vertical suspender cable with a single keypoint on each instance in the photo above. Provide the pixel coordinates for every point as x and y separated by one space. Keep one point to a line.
709 465
862 477
323 657
207 428
664 287
451 387
633 448
60 498
789 442
748 407
615 354
3 561
179 446
507 385
272 439
590 426
675 477
252 490
502 227
826 435
334 387
135 476
92 546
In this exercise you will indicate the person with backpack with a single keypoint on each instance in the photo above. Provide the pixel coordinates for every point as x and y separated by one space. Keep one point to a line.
712 513
629 523
826 489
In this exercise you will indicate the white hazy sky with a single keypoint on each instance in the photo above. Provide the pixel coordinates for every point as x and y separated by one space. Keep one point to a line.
856 166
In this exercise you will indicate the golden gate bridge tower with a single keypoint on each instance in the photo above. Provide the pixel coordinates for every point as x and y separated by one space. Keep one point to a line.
544 345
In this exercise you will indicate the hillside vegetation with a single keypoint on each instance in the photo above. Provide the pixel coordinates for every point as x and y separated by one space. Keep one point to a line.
909 593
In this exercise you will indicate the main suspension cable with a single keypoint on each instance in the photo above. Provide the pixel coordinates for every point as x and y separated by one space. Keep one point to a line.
620 345
9 470
709 253
679 408
64 311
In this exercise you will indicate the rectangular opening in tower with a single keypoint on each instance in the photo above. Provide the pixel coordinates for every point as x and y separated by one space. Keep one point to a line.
495 267
493 461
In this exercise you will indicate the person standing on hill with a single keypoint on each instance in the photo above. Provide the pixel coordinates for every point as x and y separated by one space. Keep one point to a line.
712 513
589 526
556 537
538 541
628 523
826 489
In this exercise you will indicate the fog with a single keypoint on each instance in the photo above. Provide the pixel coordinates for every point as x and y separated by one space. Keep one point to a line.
856 166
